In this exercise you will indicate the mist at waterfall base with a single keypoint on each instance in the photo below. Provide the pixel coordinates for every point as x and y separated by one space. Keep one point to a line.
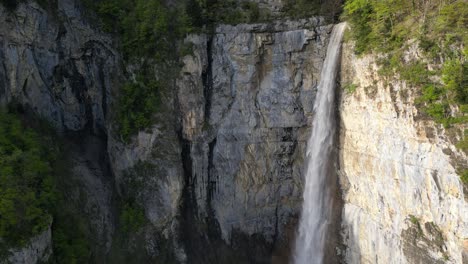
316 209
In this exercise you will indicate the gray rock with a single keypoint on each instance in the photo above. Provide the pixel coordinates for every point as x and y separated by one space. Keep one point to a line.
37 250
54 64
248 136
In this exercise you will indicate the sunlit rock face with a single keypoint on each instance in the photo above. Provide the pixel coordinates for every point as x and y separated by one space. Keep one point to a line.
404 202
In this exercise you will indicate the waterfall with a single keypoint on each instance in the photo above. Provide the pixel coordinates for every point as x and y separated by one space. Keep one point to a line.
316 209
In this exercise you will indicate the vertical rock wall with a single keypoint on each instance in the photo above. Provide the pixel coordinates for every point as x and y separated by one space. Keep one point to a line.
244 103
404 202
57 66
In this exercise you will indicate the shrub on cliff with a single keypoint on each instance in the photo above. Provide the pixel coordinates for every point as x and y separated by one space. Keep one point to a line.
27 190
149 31
389 27
440 29
137 103
31 196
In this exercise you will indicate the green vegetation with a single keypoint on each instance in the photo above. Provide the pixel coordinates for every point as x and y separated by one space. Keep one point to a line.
415 221
149 32
132 214
307 8
350 87
464 176
389 27
137 103
70 235
463 144
147 28
27 190
233 12
31 198
132 217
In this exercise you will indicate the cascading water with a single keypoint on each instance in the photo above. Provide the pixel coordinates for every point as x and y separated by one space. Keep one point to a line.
316 210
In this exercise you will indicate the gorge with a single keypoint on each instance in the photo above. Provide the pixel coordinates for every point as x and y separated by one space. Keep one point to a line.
167 141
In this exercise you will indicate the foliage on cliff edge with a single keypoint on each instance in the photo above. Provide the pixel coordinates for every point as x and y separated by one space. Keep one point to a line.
439 27
27 190
31 199
392 28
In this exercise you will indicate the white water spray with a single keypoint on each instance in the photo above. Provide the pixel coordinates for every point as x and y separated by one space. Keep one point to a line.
316 209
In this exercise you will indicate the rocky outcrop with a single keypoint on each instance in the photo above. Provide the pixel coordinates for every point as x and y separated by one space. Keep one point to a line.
37 250
404 202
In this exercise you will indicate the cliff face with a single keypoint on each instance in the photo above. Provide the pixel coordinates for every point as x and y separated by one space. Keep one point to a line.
244 104
222 165
55 65
404 202
220 173
248 141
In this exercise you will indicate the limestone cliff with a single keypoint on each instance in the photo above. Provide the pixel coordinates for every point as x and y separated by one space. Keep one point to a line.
404 202
219 175
222 165
244 100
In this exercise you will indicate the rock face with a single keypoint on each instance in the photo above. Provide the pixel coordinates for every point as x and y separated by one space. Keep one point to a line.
38 250
55 65
404 202
221 167
220 173
244 100
248 156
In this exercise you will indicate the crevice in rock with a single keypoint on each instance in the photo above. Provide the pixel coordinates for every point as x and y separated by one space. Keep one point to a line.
188 208
3 74
207 79
211 181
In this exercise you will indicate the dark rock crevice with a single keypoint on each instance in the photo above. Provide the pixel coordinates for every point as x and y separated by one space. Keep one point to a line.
207 79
